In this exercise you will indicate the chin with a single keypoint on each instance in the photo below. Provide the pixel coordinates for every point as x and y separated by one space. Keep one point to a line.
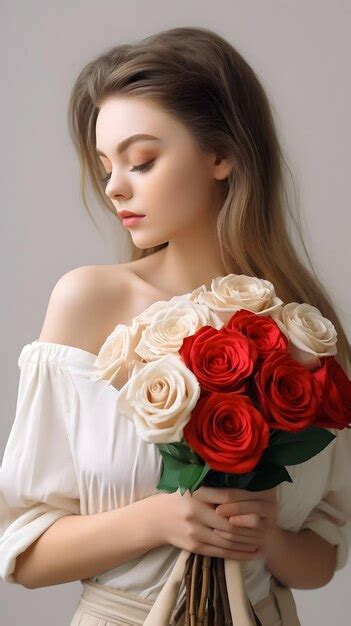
143 243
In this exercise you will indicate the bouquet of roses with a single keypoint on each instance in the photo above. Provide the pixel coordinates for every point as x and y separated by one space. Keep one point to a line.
232 385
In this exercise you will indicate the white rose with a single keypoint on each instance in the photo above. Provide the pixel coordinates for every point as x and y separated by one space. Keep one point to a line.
115 355
233 292
196 292
159 398
168 328
311 335
146 316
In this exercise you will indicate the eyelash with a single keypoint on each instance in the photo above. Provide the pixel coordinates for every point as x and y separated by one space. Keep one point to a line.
137 168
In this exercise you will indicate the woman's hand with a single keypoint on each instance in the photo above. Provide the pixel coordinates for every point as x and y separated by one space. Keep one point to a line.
190 522
252 514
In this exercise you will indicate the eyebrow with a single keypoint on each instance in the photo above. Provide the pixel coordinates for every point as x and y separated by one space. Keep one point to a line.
126 142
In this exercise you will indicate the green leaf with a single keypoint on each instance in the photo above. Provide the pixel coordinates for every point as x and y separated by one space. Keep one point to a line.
287 448
180 474
172 467
191 476
220 479
270 476
181 451
183 469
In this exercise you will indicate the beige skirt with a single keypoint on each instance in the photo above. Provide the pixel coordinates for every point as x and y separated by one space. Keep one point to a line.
101 605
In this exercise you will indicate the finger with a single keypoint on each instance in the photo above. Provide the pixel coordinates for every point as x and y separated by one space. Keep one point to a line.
216 495
225 553
232 496
261 507
207 535
246 532
210 518
248 521
248 542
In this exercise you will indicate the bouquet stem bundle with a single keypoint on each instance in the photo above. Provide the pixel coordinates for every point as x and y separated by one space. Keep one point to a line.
206 586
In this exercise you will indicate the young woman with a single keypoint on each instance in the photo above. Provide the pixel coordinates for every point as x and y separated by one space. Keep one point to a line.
177 130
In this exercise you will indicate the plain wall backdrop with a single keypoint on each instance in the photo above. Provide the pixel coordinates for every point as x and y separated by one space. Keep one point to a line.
299 49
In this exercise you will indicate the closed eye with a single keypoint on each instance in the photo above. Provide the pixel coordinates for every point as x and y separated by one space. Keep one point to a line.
137 168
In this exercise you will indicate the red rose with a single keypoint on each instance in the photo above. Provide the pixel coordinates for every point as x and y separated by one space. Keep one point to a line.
335 410
261 329
222 360
228 432
288 393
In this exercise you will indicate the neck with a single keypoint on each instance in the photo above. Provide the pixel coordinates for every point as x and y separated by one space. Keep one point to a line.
188 262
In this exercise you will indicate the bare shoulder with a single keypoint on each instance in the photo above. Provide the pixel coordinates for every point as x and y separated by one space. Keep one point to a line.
86 304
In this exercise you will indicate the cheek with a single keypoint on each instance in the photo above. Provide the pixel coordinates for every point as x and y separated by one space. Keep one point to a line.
178 190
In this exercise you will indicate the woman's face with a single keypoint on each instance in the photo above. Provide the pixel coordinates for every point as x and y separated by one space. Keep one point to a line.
178 187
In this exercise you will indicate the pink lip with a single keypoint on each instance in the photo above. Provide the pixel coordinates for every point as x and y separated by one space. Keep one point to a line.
132 219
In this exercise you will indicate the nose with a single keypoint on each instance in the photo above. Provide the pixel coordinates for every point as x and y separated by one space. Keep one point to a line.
116 187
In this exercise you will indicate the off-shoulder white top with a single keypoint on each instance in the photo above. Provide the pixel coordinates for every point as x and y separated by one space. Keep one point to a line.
70 452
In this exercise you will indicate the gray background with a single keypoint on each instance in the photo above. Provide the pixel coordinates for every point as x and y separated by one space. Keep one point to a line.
299 49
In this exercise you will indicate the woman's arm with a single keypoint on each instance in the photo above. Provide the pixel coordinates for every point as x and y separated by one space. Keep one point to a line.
301 560
79 546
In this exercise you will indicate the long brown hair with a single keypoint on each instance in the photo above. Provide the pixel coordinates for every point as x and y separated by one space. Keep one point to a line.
200 78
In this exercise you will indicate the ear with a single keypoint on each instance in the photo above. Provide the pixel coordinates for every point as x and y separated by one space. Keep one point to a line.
221 167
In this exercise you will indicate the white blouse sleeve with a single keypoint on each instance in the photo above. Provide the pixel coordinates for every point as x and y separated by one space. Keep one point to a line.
38 482
331 518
